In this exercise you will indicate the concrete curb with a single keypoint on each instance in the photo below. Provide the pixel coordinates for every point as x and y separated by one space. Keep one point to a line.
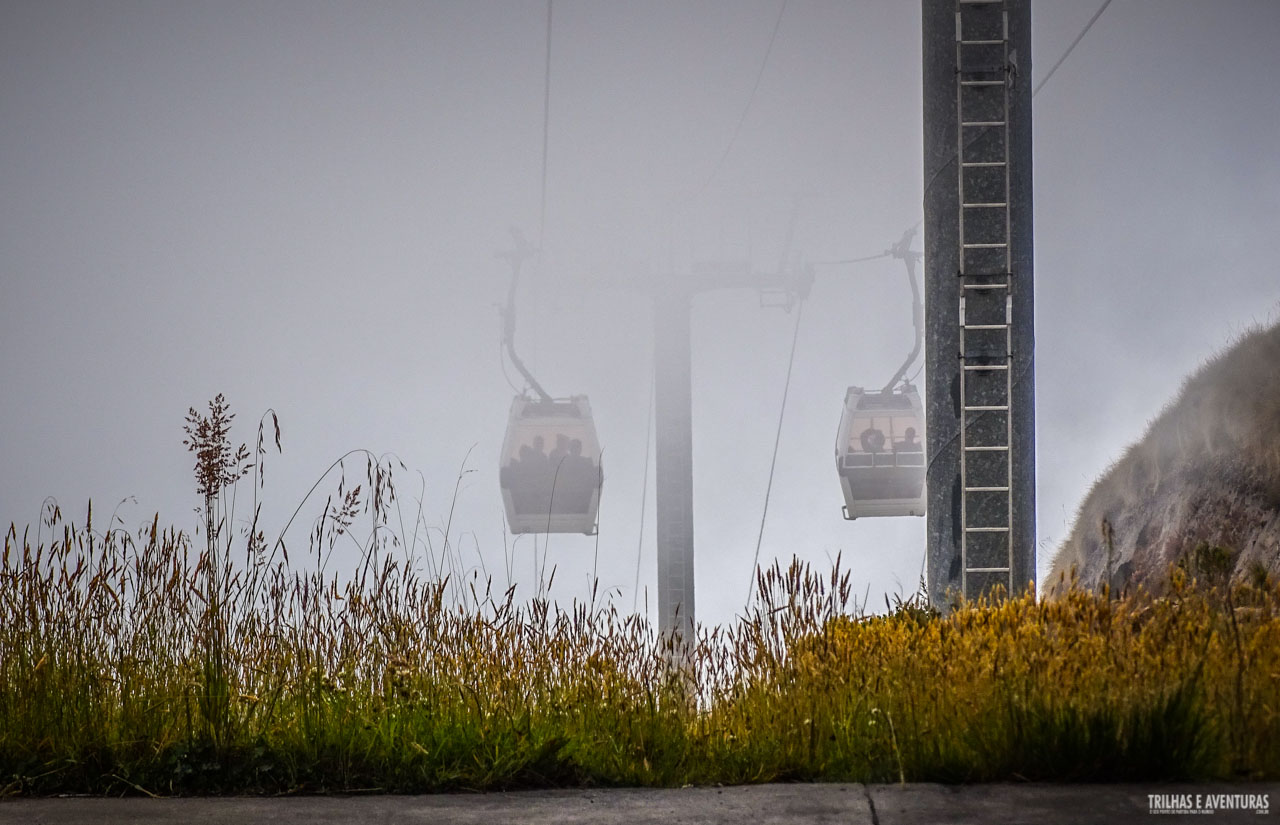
847 804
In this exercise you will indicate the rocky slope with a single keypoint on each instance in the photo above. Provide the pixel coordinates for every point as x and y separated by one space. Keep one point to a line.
1206 474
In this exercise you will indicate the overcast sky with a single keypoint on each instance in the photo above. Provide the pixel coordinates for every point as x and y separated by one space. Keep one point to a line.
298 204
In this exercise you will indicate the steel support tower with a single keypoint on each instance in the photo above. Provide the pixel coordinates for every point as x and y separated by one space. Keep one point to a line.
979 324
673 415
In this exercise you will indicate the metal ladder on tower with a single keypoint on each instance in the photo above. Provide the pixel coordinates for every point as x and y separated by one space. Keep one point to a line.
983 78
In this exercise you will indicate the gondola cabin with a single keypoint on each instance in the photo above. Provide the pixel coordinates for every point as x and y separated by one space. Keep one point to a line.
880 453
550 470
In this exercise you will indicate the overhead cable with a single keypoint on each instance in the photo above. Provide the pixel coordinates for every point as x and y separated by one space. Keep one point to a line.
773 462
1074 43
750 100
644 486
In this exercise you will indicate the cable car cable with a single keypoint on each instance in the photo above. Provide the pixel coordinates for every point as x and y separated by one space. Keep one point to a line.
737 130
863 259
644 485
546 129
542 196
773 463
1074 43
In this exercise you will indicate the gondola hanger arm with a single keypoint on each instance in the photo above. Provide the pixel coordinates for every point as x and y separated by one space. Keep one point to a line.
521 251
902 251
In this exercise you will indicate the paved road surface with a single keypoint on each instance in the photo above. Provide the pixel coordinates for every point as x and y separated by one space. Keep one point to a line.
756 804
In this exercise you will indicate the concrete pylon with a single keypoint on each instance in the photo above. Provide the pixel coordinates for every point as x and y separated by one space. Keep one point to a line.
979 323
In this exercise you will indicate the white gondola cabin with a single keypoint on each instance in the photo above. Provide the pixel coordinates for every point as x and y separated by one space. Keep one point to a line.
880 453
550 470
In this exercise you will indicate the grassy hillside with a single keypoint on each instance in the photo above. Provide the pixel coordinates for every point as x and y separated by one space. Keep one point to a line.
1207 471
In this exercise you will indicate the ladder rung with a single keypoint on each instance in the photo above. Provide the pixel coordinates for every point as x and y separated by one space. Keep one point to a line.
986 489
984 326
983 245
982 123
1001 447
986 529
978 2
986 570
982 82
985 366
969 164
980 42
984 286
992 205
988 408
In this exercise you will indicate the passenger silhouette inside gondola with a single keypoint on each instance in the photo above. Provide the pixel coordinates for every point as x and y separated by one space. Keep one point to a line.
908 444
560 451
575 482
525 477
561 482
538 456
581 464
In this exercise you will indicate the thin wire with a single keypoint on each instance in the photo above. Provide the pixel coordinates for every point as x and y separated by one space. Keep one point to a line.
546 130
773 463
750 100
595 557
1074 43
863 259
542 202
644 489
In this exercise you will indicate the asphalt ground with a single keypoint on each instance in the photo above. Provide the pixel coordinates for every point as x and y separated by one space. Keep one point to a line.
848 804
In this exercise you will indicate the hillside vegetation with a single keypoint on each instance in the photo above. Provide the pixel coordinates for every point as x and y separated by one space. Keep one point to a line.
1205 475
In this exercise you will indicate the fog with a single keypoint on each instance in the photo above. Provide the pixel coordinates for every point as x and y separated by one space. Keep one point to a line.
300 205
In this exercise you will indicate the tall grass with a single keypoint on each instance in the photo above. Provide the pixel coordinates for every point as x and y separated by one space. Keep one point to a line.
148 663
380 681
